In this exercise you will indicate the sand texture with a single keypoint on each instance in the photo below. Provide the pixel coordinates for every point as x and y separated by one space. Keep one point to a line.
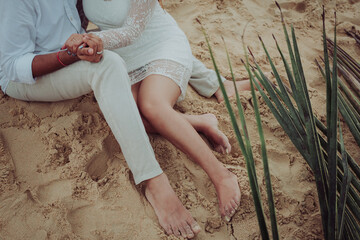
63 176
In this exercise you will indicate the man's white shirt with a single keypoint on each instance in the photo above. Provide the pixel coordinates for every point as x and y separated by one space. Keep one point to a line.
23 34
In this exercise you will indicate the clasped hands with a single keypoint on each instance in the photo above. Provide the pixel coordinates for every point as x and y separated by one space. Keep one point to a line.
87 47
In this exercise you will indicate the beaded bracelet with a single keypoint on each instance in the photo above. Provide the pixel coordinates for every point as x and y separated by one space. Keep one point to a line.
58 58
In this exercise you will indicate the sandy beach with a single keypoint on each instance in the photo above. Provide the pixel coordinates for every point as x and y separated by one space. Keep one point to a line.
63 176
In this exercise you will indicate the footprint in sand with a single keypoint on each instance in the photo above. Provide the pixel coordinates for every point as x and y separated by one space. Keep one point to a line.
296 6
2 147
55 191
97 166
99 163
270 10
289 8
121 216
7 170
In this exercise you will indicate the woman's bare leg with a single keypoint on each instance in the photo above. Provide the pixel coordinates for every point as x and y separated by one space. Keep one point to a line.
205 123
135 91
172 215
157 95
208 125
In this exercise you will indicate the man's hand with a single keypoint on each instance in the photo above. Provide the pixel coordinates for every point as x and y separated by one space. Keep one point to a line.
87 47
91 50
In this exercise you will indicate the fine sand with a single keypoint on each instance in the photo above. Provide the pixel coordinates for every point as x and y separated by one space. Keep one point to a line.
63 176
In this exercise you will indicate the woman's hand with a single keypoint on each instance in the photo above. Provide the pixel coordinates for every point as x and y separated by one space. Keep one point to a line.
73 43
92 48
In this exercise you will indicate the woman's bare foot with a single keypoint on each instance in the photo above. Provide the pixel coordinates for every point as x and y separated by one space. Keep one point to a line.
209 127
228 192
172 215
243 85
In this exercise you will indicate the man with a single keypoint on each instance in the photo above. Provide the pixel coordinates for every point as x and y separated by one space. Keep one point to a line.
33 68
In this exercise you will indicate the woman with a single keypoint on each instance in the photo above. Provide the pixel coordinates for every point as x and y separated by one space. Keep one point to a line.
159 61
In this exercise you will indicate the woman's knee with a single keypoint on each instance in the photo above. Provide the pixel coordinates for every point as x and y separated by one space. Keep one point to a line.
152 108
147 108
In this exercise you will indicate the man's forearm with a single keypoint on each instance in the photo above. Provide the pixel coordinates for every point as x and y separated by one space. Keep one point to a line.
48 63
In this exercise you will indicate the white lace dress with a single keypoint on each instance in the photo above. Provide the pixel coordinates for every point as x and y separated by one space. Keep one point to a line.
145 36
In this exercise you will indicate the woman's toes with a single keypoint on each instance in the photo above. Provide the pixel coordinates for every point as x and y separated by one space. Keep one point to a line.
237 200
234 205
195 228
225 214
232 212
189 233
220 149
229 211
190 236
182 231
226 218
176 231
228 148
168 230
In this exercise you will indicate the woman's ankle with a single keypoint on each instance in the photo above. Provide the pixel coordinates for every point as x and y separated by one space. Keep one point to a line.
221 174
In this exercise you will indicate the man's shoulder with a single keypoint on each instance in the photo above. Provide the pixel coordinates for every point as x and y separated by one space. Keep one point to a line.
12 9
7 5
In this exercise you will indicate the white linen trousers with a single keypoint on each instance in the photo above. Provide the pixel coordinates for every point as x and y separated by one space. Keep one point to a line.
110 83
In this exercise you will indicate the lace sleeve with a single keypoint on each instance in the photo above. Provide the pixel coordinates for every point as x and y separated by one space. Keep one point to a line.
139 15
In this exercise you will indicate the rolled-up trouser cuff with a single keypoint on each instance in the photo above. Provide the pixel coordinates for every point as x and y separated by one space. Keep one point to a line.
203 79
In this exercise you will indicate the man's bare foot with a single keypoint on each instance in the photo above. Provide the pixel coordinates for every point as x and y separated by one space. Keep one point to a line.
172 215
243 85
228 192
209 127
